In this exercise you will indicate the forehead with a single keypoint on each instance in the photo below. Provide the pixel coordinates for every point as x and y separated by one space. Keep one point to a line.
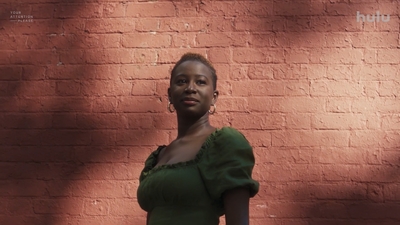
193 68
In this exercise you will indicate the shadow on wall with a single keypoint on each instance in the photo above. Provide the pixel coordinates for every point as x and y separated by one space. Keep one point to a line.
58 126
323 193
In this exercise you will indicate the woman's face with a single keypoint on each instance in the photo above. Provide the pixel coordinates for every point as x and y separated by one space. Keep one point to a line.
191 89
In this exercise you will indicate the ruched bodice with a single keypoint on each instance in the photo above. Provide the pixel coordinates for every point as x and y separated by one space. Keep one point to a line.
191 192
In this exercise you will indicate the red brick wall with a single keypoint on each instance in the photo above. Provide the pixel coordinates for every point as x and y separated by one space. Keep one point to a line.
83 103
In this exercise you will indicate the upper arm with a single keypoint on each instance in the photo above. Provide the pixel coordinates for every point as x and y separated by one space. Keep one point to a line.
236 204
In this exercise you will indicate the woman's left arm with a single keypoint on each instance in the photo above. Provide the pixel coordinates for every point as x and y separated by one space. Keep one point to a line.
236 203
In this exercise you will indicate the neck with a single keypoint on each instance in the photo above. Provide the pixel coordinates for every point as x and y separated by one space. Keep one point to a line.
190 126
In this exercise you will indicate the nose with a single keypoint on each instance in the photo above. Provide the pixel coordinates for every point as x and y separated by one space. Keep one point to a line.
190 88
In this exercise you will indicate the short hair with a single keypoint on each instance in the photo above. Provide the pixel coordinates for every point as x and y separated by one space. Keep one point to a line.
198 58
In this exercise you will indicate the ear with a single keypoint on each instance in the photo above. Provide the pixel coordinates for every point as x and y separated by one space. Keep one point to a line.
215 97
169 94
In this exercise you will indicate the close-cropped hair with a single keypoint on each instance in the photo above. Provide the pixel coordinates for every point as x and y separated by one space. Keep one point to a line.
198 58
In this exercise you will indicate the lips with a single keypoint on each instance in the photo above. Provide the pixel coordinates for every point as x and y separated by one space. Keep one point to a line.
189 99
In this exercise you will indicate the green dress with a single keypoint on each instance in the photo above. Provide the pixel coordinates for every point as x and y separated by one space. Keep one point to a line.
190 193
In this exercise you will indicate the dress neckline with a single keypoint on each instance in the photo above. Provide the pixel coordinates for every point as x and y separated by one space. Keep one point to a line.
154 155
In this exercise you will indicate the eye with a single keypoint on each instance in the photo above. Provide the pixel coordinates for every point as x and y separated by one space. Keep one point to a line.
201 82
181 81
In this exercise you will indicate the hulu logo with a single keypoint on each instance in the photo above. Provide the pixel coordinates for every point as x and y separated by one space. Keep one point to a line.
373 17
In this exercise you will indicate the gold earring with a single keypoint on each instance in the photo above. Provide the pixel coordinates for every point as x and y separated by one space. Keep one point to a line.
169 107
213 111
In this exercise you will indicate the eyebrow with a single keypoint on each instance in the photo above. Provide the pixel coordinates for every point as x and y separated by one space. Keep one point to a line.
185 75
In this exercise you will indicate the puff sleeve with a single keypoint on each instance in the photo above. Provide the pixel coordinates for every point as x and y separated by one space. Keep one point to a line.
228 163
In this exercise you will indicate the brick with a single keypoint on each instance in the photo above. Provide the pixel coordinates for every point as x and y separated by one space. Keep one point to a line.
172 55
241 55
146 56
146 40
54 206
87 10
27 121
12 42
106 88
141 104
287 8
183 41
298 104
68 88
338 105
34 57
125 207
187 9
259 138
374 40
65 137
241 72
260 72
57 104
213 40
166 121
100 154
389 56
341 155
298 121
17 188
64 120
384 105
105 104
375 73
109 56
114 9
330 23
389 88
220 25
254 24
339 121
110 25
258 88
261 39
236 8
311 138
96 207
101 121
151 9
20 206
336 88
148 24
147 137
73 56
365 138
258 121
390 157
74 26
282 173
297 56
10 73
229 104
391 192
346 56
219 55
97 189
83 72
339 39
191 24
297 88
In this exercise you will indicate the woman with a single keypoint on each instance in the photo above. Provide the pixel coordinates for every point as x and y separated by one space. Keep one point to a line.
205 172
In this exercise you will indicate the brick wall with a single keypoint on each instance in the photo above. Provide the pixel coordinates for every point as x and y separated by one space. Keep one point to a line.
83 103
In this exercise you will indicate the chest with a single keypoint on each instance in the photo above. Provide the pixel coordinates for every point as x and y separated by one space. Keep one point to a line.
180 151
